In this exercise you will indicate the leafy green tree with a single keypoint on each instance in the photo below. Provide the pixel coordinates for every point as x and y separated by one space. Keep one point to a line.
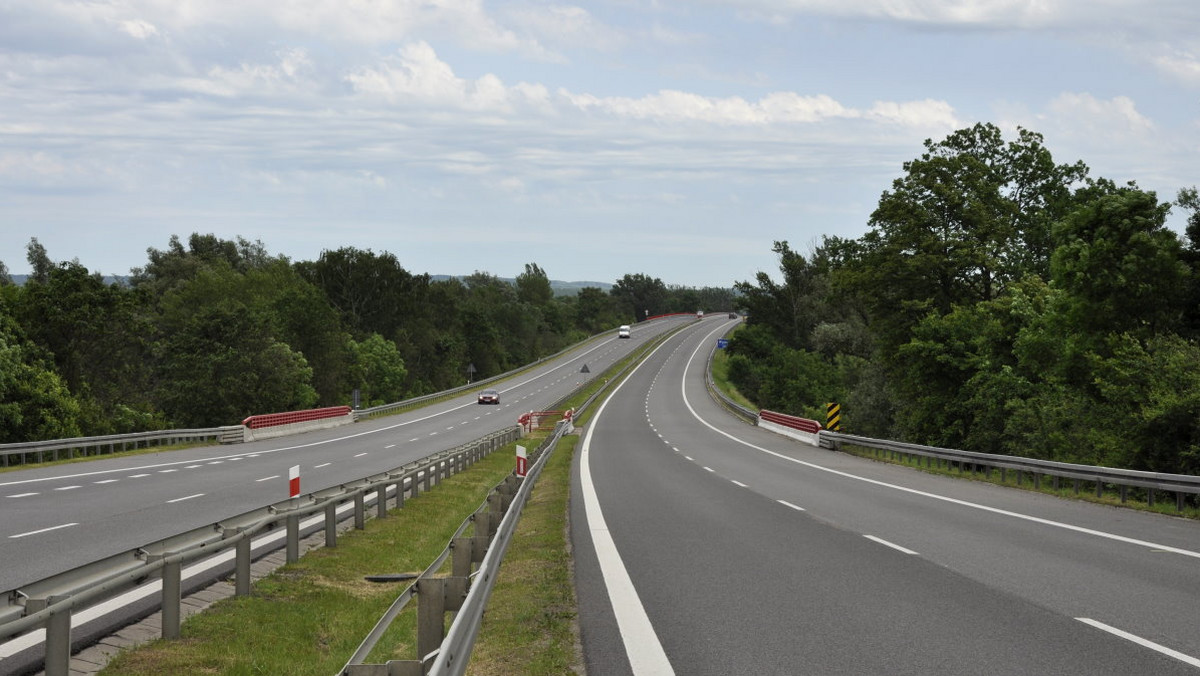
221 364
969 217
5 279
640 296
595 311
1119 266
176 265
533 286
35 403
790 309
373 293
378 370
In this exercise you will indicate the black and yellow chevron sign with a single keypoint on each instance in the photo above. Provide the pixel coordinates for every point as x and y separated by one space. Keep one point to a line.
833 417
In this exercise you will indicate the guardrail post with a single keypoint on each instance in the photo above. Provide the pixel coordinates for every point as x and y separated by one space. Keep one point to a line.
360 515
428 472
400 492
293 538
435 596
58 635
381 502
331 524
242 569
172 597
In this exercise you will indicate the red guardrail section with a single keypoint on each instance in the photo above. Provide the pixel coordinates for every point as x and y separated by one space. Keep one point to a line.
802 424
255 422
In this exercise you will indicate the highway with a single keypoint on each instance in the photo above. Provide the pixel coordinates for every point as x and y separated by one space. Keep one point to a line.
704 545
61 517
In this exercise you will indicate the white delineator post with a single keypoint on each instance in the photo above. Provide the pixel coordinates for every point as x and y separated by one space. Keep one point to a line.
294 481
522 462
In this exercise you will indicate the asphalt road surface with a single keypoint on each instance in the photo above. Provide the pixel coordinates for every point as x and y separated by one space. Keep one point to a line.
704 545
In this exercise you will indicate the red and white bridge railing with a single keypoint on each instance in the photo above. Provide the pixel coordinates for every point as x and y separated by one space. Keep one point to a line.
808 431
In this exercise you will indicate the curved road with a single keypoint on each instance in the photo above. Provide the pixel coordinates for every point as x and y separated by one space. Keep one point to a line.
707 546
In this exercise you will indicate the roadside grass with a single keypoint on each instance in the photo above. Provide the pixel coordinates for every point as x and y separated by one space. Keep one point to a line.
1067 489
530 626
310 616
720 374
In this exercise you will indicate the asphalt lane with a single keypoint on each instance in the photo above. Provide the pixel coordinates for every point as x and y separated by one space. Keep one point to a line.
754 554
53 519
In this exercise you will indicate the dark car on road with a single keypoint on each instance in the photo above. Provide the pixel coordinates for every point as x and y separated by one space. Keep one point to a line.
489 397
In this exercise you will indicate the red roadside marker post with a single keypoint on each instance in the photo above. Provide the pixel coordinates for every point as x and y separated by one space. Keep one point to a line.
522 462
294 481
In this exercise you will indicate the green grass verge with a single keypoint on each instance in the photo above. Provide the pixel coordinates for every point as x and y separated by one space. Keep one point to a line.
720 374
530 625
310 616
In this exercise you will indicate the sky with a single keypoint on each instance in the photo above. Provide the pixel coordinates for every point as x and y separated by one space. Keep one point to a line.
673 139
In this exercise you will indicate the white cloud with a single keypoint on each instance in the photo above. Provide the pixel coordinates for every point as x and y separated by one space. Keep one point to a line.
1088 115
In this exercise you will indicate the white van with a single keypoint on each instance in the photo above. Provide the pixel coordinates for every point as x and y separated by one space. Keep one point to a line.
623 331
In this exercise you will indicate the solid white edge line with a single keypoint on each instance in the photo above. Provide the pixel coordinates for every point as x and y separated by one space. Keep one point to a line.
912 491
1146 643
642 647
785 503
893 545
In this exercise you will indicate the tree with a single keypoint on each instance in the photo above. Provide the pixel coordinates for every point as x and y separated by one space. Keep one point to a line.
378 370
639 296
221 364
969 217
533 286
1119 266
790 309
35 404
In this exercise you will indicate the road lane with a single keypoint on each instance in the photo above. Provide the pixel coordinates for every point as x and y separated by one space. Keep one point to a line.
736 579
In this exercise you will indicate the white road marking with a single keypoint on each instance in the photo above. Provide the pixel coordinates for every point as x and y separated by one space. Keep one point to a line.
933 496
21 495
390 446
185 498
324 464
106 481
1186 659
137 476
785 503
360 455
893 545
738 483
709 469
67 488
267 478
167 471
43 530
645 652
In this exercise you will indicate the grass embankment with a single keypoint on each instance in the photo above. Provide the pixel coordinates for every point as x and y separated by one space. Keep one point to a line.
720 374
310 616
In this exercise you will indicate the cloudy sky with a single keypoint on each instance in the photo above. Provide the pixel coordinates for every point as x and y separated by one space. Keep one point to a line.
676 139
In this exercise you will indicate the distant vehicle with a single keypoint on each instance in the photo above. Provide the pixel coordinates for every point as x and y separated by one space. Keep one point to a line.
489 397
733 315
623 332
699 314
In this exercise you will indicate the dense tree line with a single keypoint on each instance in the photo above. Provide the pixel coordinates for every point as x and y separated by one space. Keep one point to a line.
211 331
999 302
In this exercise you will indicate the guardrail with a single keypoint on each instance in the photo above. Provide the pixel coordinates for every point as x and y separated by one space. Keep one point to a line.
1121 480
112 443
968 461
50 602
447 652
